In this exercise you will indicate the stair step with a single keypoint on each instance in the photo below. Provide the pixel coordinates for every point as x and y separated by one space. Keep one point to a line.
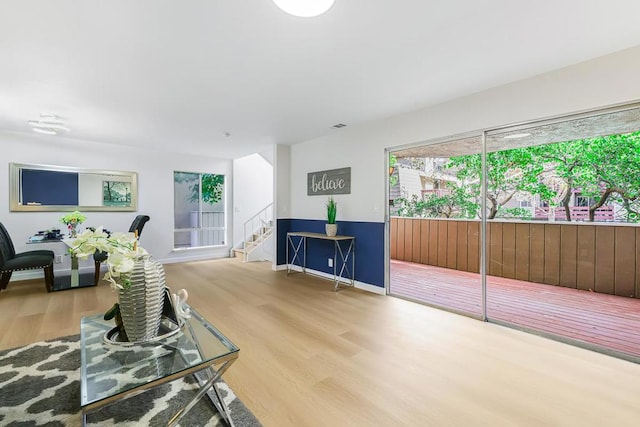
238 253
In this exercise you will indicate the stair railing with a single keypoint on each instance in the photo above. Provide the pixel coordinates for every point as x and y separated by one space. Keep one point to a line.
257 229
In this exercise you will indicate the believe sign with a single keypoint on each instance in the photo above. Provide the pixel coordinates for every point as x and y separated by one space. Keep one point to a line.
335 181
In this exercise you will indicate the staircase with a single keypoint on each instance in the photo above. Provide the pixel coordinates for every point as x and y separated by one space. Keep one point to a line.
257 232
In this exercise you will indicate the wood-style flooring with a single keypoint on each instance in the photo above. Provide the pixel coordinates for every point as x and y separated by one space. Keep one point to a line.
313 357
608 321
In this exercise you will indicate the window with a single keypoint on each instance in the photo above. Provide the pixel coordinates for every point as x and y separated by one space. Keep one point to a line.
198 210
584 201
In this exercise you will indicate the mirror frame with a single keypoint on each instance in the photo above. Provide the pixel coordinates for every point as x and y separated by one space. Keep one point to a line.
14 190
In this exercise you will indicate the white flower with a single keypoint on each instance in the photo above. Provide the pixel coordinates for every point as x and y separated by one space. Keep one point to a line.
122 250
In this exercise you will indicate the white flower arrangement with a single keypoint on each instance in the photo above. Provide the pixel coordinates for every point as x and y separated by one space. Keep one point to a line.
122 250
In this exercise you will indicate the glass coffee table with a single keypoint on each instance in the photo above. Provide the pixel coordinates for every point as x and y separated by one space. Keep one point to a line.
111 371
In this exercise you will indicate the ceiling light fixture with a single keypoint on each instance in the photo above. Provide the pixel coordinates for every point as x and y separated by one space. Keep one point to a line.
517 135
45 131
49 124
304 8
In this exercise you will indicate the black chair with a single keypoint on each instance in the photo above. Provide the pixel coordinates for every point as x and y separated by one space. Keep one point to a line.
10 261
99 257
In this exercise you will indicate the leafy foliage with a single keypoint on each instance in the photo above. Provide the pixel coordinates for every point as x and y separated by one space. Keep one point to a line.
455 204
393 178
212 186
605 170
508 172
332 210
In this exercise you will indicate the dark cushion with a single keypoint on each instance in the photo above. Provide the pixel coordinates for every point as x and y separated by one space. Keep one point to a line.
100 256
27 261
44 252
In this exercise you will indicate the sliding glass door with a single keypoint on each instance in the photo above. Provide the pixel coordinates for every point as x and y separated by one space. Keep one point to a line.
563 204
434 226
533 226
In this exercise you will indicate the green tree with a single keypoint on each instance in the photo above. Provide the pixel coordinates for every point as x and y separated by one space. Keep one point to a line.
393 177
454 204
508 172
212 186
611 170
561 162
605 170
457 203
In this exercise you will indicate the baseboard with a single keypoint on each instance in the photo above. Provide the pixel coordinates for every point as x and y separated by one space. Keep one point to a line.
27 275
202 257
360 285
38 274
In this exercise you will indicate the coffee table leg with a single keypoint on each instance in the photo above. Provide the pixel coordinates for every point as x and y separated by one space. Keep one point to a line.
204 389
222 408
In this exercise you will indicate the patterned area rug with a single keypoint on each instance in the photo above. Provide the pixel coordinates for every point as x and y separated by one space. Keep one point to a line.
40 386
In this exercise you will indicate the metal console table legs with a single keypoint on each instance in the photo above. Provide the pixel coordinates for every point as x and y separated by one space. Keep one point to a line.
343 255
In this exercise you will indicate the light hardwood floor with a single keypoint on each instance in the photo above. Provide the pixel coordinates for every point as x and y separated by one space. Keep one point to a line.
313 357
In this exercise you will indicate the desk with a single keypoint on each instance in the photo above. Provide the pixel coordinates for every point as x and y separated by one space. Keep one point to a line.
349 252
110 372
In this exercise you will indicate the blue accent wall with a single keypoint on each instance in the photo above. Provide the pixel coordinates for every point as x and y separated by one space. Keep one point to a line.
369 245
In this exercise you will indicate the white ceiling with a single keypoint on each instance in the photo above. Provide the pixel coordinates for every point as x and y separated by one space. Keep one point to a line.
177 75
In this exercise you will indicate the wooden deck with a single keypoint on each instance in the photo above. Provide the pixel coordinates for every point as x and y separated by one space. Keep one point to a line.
608 321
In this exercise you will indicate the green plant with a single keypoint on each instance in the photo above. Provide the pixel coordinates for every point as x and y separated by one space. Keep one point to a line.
212 186
332 209
74 217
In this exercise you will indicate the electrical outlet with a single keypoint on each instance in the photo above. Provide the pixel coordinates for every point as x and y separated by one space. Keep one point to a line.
58 259
330 262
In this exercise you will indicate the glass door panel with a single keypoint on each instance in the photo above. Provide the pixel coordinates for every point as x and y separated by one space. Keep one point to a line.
435 225
563 205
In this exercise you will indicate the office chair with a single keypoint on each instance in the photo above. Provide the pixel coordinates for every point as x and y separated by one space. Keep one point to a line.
10 261
99 257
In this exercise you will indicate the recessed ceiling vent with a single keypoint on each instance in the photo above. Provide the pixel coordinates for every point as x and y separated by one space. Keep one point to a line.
339 125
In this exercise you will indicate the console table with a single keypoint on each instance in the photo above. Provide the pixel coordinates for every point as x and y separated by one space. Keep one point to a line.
347 251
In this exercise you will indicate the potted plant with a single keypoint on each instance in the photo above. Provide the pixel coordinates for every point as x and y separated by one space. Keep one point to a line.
72 221
331 227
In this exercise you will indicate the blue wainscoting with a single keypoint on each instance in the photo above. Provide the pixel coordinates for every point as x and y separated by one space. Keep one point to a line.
369 247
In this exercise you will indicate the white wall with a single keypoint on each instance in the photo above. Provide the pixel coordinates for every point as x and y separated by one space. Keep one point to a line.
252 191
281 189
604 81
155 189
282 181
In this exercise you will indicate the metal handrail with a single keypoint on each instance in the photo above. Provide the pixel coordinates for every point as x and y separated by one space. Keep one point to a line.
255 229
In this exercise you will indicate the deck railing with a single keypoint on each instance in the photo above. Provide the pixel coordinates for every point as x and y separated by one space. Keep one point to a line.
600 258
441 192
578 213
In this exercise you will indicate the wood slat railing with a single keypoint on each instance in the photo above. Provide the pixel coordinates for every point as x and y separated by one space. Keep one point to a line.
599 258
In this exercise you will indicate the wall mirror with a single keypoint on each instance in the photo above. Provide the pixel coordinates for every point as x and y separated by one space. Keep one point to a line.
59 188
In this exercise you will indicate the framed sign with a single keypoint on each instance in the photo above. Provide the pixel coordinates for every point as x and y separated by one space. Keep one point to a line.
334 181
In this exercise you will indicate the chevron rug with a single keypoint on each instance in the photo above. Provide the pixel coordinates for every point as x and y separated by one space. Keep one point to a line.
40 386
